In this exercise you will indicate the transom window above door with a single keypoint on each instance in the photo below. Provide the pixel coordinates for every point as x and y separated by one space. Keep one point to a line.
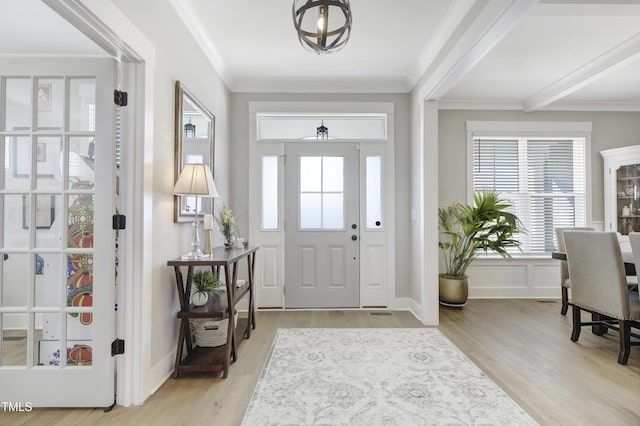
336 127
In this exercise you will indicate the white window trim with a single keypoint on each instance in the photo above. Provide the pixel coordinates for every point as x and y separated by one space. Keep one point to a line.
543 129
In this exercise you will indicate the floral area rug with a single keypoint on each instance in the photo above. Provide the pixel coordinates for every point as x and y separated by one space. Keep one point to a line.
375 377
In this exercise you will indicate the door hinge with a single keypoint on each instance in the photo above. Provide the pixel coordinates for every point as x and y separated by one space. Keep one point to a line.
117 347
119 221
120 98
284 290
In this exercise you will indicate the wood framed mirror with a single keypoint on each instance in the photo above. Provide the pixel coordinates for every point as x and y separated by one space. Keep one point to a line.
194 136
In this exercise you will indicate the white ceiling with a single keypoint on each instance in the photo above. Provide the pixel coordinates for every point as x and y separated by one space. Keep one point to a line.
513 54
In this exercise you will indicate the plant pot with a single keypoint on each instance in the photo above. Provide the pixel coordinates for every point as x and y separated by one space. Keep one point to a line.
453 292
199 299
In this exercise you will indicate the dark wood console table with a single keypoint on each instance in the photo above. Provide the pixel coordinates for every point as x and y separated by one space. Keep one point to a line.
219 308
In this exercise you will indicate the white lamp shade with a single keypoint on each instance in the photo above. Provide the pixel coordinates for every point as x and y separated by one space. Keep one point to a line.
196 180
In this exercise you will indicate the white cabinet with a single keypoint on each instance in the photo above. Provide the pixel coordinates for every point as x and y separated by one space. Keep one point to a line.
622 189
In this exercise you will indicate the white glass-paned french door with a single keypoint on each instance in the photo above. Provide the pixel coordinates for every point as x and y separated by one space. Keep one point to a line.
57 195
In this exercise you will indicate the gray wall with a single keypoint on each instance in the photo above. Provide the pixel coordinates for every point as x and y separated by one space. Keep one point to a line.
240 153
610 130
178 57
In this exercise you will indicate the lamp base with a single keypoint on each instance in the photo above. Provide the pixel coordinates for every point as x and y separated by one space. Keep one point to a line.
194 255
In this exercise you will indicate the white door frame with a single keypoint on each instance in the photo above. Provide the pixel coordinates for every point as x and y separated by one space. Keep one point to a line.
269 276
105 24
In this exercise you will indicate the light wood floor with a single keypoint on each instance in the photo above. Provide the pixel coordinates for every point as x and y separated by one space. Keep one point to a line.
522 345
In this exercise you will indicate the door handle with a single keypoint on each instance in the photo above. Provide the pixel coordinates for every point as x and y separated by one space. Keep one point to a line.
354 237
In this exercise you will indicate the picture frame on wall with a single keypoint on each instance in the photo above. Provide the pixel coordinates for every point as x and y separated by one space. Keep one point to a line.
45 211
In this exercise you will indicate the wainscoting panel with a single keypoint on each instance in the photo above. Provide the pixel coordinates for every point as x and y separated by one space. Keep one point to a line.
536 278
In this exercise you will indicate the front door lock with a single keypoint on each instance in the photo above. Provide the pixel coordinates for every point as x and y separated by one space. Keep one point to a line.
354 237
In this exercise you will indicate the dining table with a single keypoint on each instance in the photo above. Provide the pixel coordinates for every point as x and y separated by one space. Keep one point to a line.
627 257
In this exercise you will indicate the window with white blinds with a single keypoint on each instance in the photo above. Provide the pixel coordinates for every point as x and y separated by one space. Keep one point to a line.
544 178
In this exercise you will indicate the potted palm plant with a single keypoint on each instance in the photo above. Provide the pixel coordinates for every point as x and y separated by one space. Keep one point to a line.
465 232
205 283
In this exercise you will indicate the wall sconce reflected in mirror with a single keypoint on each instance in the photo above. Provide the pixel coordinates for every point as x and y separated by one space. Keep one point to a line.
189 129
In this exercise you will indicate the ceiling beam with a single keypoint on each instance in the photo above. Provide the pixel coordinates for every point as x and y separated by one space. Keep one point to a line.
593 70
486 23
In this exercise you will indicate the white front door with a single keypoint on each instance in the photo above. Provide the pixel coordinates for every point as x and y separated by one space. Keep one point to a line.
321 225
57 244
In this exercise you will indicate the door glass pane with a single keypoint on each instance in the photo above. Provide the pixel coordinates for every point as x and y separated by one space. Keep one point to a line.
81 162
332 174
48 222
48 152
48 280
310 211
332 211
15 231
50 103
17 162
82 104
80 221
374 192
40 346
49 344
80 280
14 339
18 108
15 279
79 344
310 174
270 192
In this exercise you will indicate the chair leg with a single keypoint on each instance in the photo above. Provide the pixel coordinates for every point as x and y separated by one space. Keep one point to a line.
625 342
598 330
565 300
575 335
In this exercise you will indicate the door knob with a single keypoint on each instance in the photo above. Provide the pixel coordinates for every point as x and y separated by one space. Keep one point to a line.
354 237
354 226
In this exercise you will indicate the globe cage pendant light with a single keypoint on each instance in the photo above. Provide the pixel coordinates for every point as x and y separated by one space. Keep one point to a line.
317 32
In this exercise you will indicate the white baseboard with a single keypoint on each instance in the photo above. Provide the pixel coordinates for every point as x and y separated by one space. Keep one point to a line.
408 304
161 372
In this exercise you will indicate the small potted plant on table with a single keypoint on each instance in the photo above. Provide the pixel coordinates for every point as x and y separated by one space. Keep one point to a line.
227 222
205 283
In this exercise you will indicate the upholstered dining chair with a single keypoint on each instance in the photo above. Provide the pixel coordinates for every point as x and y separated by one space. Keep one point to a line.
565 282
599 286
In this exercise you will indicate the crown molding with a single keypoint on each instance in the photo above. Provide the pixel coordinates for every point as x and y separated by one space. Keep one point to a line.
190 19
308 85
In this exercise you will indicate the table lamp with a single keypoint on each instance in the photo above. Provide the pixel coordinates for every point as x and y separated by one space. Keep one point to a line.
196 180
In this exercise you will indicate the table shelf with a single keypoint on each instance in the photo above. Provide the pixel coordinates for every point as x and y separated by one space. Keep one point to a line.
216 307
207 359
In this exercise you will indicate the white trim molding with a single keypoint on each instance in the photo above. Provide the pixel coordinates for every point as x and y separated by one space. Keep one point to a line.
269 275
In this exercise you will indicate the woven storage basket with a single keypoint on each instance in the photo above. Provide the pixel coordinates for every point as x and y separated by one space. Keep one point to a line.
209 333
